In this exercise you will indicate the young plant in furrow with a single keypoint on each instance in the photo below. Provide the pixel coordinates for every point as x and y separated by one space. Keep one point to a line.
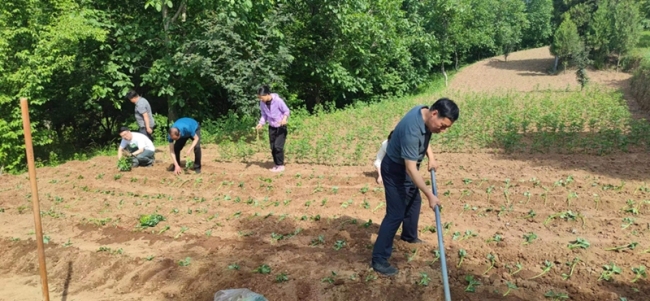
609 271
518 266
630 246
511 286
495 238
461 254
572 265
639 273
628 221
424 279
492 261
578 243
529 238
471 283
556 296
547 267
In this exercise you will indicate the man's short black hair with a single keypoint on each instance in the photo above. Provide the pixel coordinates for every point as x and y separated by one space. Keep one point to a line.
123 129
131 94
446 108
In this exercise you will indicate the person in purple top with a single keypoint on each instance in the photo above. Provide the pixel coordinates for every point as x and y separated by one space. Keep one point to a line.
275 112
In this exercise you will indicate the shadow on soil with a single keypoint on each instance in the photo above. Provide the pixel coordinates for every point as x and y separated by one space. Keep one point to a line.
315 270
531 65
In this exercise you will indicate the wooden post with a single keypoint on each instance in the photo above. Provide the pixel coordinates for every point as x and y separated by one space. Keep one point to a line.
36 208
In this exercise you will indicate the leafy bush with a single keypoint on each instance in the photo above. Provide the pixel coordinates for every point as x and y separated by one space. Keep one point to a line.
150 220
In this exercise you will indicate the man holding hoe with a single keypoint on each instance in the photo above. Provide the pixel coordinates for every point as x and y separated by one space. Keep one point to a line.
183 129
406 148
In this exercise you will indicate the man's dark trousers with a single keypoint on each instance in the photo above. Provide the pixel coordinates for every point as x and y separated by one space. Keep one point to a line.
143 130
277 137
403 202
180 143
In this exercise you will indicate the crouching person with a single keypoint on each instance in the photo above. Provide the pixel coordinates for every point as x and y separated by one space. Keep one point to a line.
138 145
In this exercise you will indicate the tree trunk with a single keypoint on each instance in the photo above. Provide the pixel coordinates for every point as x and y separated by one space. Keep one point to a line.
557 60
456 59
618 61
442 68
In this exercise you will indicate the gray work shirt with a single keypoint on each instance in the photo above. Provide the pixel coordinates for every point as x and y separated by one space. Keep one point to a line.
142 106
410 138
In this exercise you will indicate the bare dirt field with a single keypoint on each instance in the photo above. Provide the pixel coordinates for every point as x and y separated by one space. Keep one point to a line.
312 227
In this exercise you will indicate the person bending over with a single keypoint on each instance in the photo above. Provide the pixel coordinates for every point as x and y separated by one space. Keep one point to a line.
183 129
275 112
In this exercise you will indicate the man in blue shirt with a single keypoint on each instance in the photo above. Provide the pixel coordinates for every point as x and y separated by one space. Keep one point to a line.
400 172
183 129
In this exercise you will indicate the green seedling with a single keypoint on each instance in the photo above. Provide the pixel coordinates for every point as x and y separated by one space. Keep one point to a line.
530 237
320 240
527 195
462 254
467 181
455 236
185 262
189 163
463 193
263 269
639 272
330 279
572 195
578 243
468 234
339 244
496 238
566 215
505 191
630 246
572 265
547 267
511 286
150 220
381 205
471 283
124 164
609 271
436 253
531 214
519 268
628 221
424 279
492 261
545 194
282 277
556 296
489 192
411 256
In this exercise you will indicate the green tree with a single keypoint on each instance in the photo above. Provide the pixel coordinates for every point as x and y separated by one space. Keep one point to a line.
581 60
566 41
539 14
510 24
626 28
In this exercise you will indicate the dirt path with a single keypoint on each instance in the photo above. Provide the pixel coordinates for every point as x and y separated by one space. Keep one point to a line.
236 217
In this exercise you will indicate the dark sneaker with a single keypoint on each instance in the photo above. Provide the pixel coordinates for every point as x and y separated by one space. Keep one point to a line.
415 241
385 269
198 170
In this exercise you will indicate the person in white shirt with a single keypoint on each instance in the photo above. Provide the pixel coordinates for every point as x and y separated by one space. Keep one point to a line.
141 148
380 156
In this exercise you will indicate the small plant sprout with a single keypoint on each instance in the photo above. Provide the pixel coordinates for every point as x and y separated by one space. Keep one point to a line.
489 192
566 215
630 246
185 262
609 270
531 214
124 164
496 238
545 194
263 269
468 234
471 283
578 243
628 221
492 261
511 286
424 279
467 181
527 195
339 244
505 191
282 277
639 272
411 255
556 296
547 267
572 265
233 266
572 195
463 193
461 254
518 266
530 237
436 254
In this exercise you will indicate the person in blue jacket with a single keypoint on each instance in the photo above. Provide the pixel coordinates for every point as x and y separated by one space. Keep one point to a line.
183 129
